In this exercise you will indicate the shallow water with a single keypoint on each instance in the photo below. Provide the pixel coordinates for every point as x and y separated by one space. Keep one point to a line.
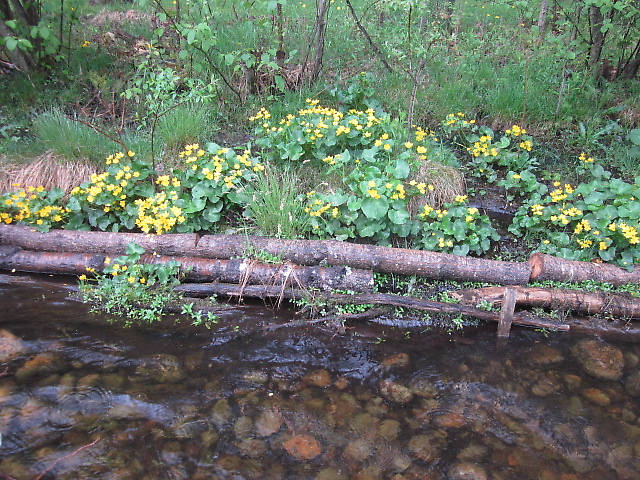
84 400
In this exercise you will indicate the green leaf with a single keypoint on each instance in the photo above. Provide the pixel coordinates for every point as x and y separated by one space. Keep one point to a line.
634 136
398 217
375 208
198 191
401 170
134 249
11 43
280 85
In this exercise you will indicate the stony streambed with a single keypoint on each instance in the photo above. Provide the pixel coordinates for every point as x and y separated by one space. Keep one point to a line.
80 400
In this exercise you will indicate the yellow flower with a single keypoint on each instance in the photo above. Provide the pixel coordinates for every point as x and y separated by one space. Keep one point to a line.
82 277
408 145
131 279
386 146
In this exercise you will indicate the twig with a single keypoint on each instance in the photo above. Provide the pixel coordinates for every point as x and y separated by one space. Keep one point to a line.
75 452
102 132
375 48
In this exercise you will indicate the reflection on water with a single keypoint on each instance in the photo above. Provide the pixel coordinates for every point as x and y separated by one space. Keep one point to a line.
79 400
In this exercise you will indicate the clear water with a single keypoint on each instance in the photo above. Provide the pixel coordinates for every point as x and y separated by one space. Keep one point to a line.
85 400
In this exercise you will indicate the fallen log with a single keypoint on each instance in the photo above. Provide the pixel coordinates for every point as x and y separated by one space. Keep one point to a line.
547 267
198 269
439 266
110 243
266 291
616 305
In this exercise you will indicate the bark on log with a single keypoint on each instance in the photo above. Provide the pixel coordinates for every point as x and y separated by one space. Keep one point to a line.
266 291
617 305
96 242
202 269
548 267
439 266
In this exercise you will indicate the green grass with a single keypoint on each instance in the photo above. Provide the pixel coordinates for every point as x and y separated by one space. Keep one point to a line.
274 207
186 124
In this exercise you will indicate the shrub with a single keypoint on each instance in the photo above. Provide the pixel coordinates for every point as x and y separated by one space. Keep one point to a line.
34 206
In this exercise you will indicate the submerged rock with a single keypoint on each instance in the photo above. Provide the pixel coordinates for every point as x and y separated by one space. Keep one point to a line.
358 450
221 412
302 447
162 367
40 365
599 359
632 384
252 447
269 422
545 355
10 346
596 396
395 392
397 360
420 446
318 378
243 427
467 471
256 377
389 429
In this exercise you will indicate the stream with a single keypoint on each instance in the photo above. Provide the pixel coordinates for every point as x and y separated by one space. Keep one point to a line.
82 399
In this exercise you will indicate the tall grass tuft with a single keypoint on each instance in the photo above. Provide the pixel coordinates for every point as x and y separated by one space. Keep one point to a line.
186 124
274 207
72 140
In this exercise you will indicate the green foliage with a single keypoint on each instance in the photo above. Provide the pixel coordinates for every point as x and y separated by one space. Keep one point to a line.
186 124
210 183
456 228
596 219
198 317
34 206
137 292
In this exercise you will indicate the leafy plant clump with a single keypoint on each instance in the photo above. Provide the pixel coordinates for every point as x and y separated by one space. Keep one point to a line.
137 292
596 219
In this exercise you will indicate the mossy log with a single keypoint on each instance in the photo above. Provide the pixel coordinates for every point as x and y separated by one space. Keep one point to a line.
547 267
197 269
591 303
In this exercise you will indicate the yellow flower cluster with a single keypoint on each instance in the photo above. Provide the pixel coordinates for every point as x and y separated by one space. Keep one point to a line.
113 185
584 159
483 147
628 232
537 209
422 187
26 203
427 210
457 119
317 207
526 145
516 131
192 153
158 214
583 225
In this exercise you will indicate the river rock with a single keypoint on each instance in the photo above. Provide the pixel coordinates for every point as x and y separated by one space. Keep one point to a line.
318 378
252 447
473 453
545 355
395 392
10 346
364 423
450 420
162 367
596 396
389 429
467 471
420 446
256 377
269 422
358 450
632 384
599 359
331 473
242 427
221 412
42 364
423 387
302 447
397 360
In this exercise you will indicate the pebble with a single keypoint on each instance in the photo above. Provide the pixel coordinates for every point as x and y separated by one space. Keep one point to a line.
420 447
395 392
269 422
302 447
599 359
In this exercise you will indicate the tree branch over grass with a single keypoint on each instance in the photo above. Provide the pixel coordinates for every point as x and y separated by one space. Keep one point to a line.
366 35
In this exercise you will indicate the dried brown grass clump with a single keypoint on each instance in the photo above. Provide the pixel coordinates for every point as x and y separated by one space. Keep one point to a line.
46 171
447 183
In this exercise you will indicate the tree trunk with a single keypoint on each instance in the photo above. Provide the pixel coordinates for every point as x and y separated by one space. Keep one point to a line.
591 303
546 267
597 38
321 27
198 269
365 34
542 19
631 68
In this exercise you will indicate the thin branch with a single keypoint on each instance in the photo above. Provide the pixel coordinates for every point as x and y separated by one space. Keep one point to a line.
102 132
75 452
374 47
